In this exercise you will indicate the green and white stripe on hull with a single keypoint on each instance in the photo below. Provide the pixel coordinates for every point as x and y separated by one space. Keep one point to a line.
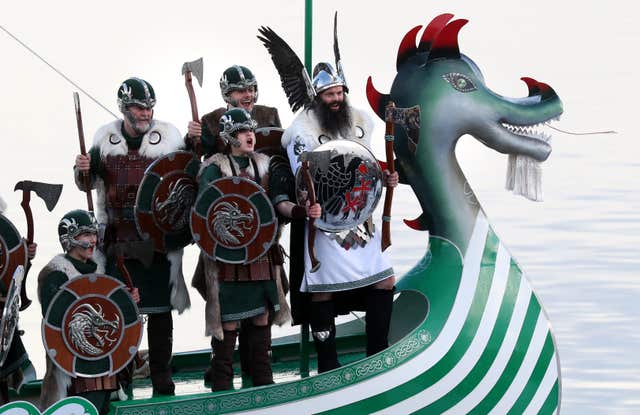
484 348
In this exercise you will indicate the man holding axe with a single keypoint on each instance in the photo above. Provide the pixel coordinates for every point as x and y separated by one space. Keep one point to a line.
116 162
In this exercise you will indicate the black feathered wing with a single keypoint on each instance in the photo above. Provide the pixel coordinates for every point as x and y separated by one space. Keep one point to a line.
295 80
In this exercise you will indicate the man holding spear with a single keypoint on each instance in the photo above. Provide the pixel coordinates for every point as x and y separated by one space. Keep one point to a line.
116 162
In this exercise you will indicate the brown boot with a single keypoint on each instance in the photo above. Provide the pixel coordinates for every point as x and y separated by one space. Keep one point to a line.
223 361
260 339
160 334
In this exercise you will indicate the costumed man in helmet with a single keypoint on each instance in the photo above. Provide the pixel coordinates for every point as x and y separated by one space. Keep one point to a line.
78 234
121 152
17 368
235 292
239 89
352 276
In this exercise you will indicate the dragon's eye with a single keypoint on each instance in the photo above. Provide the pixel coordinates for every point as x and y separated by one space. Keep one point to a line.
459 81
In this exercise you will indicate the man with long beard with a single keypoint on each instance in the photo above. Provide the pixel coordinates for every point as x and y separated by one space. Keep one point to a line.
121 152
344 268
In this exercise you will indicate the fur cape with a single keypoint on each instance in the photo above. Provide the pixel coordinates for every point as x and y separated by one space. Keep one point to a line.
161 139
206 275
55 382
306 127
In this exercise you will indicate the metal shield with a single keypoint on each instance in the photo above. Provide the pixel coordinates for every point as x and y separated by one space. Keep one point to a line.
10 313
233 221
13 251
348 183
92 327
165 196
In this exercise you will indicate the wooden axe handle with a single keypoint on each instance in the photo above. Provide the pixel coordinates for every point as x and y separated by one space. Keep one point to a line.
194 109
124 271
311 236
83 150
388 197
26 206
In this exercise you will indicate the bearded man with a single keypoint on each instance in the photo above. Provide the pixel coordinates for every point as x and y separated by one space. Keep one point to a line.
121 152
344 268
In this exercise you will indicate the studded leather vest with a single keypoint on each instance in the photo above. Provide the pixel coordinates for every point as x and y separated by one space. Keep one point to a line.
262 268
122 177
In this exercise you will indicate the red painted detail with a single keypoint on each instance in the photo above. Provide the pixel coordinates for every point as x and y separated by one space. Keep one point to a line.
432 30
414 224
375 98
365 186
408 45
447 38
538 88
354 203
362 168
383 165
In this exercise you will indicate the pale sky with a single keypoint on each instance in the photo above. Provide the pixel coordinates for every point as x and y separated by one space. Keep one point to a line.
586 51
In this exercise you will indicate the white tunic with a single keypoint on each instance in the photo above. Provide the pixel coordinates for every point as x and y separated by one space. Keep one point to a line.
340 269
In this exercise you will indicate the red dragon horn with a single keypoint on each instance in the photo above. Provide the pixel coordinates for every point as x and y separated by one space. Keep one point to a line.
408 46
446 43
377 101
432 30
538 88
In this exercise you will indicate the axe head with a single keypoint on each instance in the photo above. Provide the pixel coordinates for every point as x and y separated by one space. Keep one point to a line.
318 160
409 118
195 67
50 193
140 250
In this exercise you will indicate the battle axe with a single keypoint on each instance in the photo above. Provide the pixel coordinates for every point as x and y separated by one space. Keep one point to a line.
193 68
407 118
50 193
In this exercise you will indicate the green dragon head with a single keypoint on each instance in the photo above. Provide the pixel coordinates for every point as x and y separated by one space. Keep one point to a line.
454 100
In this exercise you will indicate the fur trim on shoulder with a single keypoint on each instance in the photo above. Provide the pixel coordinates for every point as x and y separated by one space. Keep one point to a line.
162 138
222 161
306 127
283 315
179 294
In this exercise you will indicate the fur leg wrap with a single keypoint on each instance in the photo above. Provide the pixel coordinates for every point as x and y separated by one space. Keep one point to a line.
179 293
213 325
284 314
55 385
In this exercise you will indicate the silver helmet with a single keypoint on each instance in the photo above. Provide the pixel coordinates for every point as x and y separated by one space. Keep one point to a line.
325 77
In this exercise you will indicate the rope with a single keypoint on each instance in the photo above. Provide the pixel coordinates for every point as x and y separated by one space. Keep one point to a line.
33 52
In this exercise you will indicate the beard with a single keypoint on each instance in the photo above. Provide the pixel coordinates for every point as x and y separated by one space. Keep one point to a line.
139 126
336 123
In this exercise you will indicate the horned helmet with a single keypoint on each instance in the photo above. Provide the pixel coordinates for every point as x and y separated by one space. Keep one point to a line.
232 121
75 223
236 78
325 77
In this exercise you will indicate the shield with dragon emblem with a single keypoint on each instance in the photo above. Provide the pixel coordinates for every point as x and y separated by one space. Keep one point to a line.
10 313
13 251
165 196
92 327
348 183
233 221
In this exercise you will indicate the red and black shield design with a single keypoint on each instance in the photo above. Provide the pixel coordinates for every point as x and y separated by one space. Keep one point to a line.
165 196
13 252
92 327
233 221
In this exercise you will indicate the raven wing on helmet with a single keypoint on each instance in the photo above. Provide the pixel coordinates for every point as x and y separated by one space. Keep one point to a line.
294 77
336 52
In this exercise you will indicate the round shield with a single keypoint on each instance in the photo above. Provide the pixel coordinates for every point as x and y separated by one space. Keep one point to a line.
92 327
347 180
165 196
233 221
13 251
10 313
268 140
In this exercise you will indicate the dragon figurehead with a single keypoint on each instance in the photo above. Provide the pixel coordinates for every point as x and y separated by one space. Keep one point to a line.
454 100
